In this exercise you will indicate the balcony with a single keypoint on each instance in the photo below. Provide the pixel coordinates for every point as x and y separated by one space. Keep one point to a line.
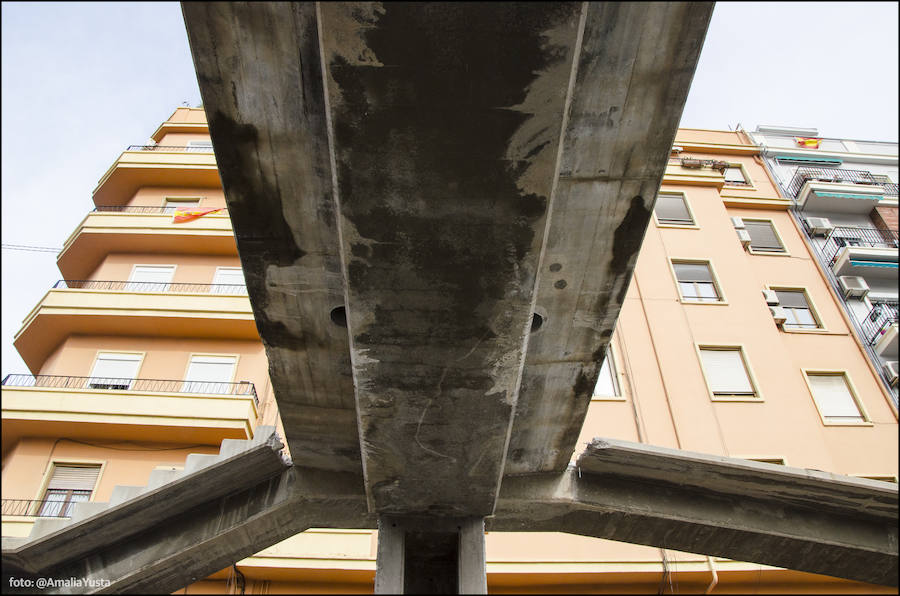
867 252
837 191
133 309
158 410
142 229
32 508
880 328
156 165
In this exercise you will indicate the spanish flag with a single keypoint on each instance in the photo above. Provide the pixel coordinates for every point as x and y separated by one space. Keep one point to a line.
811 142
183 215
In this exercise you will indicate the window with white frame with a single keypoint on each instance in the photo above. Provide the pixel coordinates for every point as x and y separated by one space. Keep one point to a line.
834 398
229 280
671 209
114 370
606 382
150 278
209 374
763 237
796 309
69 484
726 372
695 282
734 175
200 146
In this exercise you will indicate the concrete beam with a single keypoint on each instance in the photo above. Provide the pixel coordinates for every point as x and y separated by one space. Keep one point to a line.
196 543
253 462
636 64
260 76
787 517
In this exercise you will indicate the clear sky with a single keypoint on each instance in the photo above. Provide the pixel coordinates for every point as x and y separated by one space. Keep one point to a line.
82 81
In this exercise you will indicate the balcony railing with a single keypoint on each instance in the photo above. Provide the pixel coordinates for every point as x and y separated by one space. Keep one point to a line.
128 384
890 189
803 175
843 236
192 149
31 508
148 209
150 286
877 320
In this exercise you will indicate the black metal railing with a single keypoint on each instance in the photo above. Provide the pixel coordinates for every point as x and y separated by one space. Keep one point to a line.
32 508
128 384
890 189
802 175
149 209
842 236
877 320
191 149
150 286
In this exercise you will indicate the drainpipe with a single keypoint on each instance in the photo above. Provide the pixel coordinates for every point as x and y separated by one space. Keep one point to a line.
715 576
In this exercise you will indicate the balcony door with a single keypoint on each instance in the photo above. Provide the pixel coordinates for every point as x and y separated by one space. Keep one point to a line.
229 280
150 278
114 370
209 374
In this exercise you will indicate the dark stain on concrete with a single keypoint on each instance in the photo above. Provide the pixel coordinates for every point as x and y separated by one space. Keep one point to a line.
627 240
560 284
555 267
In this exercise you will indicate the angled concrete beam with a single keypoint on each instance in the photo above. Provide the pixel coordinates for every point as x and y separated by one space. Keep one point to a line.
93 526
788 517
198 542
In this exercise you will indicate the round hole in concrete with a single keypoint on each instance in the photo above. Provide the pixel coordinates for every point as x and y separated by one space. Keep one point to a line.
339 316
536 322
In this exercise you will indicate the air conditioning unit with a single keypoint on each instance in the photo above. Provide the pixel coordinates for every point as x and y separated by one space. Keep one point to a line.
744 237
737 222
891 370
677 149
778 314
853 286
819 225
771 297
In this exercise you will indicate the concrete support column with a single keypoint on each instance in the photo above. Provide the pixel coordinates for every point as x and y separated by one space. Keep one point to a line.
430 555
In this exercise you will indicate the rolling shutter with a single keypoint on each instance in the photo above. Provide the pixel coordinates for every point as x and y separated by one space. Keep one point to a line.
726 373
762 236
67 477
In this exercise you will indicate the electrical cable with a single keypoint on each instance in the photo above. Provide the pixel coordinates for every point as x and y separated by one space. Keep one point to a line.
28 248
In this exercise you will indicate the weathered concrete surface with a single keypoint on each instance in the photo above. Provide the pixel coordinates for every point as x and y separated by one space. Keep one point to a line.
788 517
240 465
406 157
260 77
196 543
634 71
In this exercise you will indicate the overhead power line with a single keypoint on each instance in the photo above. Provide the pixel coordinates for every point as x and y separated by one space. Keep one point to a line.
29 248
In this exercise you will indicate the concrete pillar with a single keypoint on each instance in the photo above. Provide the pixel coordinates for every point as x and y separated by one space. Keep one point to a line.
430 555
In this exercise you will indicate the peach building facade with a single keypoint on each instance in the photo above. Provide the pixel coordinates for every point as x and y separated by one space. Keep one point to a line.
148 352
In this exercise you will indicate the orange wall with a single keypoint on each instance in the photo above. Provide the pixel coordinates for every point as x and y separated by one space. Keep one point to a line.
155 195
199 269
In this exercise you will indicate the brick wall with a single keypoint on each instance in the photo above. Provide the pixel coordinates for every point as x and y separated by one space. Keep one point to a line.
884 218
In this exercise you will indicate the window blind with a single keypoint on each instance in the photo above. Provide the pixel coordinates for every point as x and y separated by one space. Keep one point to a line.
790 299
725 372
833 396
73 477
692 272
734 175
209 374
114 369
762 236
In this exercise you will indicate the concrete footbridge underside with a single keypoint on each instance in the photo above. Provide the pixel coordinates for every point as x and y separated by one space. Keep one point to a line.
438 209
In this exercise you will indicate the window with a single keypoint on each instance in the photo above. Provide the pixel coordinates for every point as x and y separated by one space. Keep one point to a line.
172 204
229 280
834 399
695 282
114 370
671 209
209 374
734 175
762 236
796 308
726 372
200 146
69 484
606 382
150 278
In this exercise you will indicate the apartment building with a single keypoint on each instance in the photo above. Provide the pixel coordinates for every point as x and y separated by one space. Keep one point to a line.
730 342
844 195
